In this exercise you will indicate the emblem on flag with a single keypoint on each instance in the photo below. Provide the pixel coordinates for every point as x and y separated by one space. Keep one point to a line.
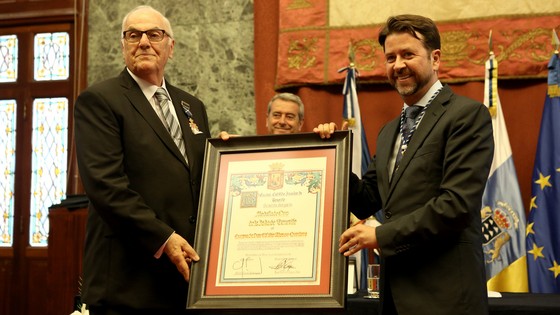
497 224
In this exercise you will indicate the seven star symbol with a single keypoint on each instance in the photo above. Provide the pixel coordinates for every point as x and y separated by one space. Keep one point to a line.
543 181
536 251
529 229
555 269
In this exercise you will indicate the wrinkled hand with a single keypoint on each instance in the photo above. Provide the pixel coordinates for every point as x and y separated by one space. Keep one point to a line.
357 237
327 129
181 253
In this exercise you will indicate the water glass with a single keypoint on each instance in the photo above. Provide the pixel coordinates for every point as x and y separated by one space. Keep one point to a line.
373 271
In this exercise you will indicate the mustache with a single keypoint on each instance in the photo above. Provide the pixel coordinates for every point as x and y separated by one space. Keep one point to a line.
402 72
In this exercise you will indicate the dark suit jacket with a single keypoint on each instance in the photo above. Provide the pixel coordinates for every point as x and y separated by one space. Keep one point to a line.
431 239
140 191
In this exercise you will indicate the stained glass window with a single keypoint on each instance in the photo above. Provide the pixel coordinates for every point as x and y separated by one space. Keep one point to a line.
48 163
52 56
8 58
8 166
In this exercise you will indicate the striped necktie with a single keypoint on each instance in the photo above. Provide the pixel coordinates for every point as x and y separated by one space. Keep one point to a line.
171 123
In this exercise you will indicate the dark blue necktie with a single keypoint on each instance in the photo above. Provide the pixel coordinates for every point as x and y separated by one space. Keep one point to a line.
408 127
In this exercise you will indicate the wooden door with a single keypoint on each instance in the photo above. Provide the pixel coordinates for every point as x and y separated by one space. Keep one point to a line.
24 227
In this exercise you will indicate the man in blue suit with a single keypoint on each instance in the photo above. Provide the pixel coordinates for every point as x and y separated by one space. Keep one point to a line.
140 158
427 178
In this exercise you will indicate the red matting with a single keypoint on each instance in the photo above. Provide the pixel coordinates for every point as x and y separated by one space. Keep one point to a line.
323 286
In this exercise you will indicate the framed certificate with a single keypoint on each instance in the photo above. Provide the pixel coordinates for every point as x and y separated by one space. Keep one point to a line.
271 211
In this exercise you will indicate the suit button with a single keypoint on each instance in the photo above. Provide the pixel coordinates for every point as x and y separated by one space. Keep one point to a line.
388 215
192 219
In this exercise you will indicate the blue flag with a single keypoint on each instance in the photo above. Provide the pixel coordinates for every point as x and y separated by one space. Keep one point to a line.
351 113
543 224
360 151
502 213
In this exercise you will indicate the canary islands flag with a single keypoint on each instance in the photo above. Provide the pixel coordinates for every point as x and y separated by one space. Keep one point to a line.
543 224
503 215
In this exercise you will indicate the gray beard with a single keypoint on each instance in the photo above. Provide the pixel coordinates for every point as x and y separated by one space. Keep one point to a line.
408 90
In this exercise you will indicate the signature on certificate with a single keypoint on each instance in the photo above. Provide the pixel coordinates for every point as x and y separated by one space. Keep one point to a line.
285 264
248 266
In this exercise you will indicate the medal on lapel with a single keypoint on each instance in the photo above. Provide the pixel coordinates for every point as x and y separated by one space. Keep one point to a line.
186 108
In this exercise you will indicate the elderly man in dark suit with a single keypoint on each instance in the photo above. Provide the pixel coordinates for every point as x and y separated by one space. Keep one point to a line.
140 145
427 177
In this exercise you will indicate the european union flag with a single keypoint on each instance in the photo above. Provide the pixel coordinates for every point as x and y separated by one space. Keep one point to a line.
543 224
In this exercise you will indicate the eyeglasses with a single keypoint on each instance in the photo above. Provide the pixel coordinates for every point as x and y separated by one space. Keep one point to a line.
154 35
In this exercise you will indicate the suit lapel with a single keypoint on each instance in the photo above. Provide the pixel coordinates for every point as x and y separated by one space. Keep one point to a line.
385 146
144 108
430 119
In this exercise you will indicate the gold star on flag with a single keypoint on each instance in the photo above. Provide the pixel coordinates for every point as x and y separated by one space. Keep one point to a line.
543 181
555 269
533 204
536 251
529 229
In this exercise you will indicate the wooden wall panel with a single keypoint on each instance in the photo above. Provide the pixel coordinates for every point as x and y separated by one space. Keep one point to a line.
37 288
6 279
66 241
13 10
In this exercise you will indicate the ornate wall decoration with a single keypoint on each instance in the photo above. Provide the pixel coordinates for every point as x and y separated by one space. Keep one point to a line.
316 36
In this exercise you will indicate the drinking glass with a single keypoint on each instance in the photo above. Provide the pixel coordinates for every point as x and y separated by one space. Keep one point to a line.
373 281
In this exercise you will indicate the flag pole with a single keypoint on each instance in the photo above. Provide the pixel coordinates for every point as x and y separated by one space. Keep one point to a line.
553 90
555 41
352 73
492 72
